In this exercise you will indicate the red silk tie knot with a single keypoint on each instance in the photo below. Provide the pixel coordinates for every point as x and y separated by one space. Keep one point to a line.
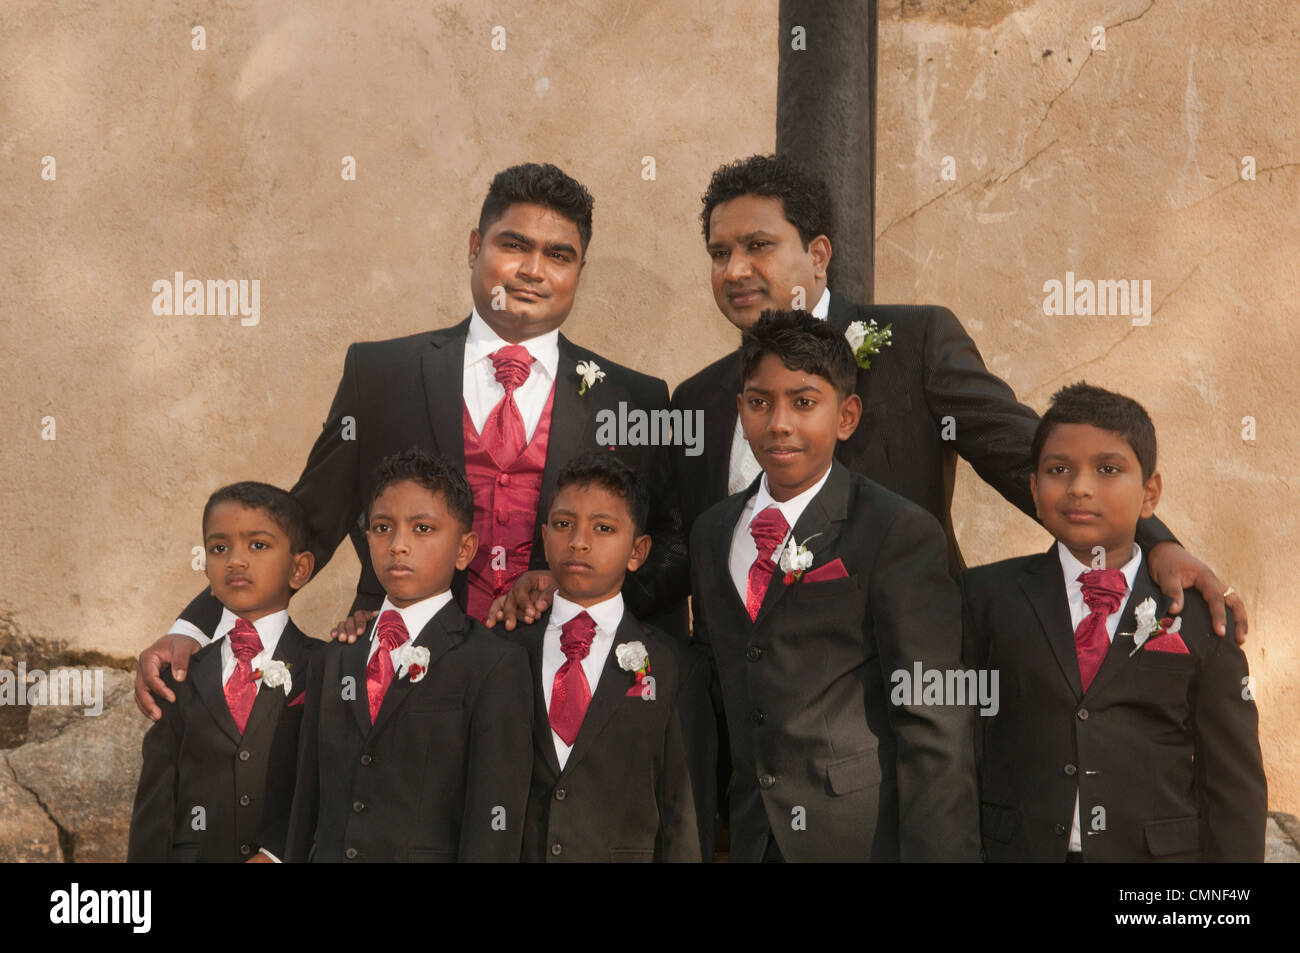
241 687
379 670
244 640
576 636
512 364
1103 591
570 691
768 528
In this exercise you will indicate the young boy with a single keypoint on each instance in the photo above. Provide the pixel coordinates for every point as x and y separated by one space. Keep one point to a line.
416 740
815 587
1121 735
622 715
218 774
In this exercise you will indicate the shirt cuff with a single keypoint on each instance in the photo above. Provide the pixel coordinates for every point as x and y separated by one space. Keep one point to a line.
188 629
274 859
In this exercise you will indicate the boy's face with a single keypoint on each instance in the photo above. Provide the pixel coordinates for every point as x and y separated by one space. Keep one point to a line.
249 565
759 259
535 254
416 545
793 420
1090 493
591 543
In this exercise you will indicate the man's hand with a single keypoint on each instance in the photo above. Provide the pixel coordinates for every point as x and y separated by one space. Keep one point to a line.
525 602
1172 568
173 650
259 859
353 626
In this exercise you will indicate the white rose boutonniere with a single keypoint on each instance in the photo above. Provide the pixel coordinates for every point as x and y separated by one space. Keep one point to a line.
413 661
795 559
632 657
591 374
275 674
866 340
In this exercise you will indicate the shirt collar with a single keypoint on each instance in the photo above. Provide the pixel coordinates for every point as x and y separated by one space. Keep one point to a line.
269 629
823 306
1071 568
792 508
481 341
416 616
607 615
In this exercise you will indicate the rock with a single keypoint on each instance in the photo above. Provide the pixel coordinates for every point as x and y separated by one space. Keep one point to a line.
26 831
85 775
47 721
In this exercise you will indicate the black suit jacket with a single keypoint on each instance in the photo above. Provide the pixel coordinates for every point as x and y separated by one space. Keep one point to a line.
931 372
441 775
626 791
409 392
1163 749
821 757
194 757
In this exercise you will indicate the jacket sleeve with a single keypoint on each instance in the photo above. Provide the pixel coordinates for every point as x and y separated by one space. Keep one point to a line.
154 812
687 787
301 834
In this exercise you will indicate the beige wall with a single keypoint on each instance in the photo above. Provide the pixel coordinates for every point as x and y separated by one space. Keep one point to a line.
225 164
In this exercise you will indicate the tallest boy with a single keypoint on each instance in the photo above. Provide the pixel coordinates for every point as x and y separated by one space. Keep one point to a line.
501 395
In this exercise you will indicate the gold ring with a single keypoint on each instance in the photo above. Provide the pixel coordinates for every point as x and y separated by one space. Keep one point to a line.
1229 591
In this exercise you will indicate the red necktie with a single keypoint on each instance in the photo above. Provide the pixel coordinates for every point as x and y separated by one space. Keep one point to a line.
241 687
379 670
1103 590
570 693
768 529
503 432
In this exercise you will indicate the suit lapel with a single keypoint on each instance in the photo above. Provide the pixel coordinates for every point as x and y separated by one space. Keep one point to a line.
1121 648
719 543
533 639
1044 586
817 528
570 415
353 663
443 366
444 631
206 676
290 651
720 418
610 691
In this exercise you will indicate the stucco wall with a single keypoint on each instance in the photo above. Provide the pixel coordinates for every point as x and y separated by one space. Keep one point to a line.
225 163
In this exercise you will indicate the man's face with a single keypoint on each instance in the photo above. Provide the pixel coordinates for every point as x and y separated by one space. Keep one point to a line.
793 421
524 271
249 564
759 260
1090 493
591 543
416 544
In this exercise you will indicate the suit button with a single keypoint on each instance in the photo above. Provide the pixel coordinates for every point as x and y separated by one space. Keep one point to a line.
1082 714
244 756
504 479
1071 770
757 717
753 653
503 517
556 850
245 849
1059 829
366 760
244 800
350 853
358 807
765 781
560 794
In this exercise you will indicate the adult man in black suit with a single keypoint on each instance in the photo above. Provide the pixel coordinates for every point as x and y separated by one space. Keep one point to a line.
926 397
439 389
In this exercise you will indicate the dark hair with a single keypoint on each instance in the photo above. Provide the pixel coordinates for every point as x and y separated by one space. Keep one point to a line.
540 184
803 343
805 198
603 469
1082 403
431 472
273 501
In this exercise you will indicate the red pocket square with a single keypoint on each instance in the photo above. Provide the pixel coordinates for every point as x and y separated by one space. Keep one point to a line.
298 700
833 570
1166 642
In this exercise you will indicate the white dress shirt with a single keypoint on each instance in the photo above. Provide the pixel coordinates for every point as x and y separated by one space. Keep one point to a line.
1071 568
607 615
742 467
743 548
269 629
415 617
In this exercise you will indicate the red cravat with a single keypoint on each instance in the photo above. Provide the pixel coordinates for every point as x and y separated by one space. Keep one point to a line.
570 693
503 432
379 671
1103 590
768 529
241 687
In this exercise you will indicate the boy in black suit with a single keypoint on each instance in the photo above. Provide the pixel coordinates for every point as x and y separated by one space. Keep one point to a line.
814 588
218 773
416 740
622 710
1117 737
